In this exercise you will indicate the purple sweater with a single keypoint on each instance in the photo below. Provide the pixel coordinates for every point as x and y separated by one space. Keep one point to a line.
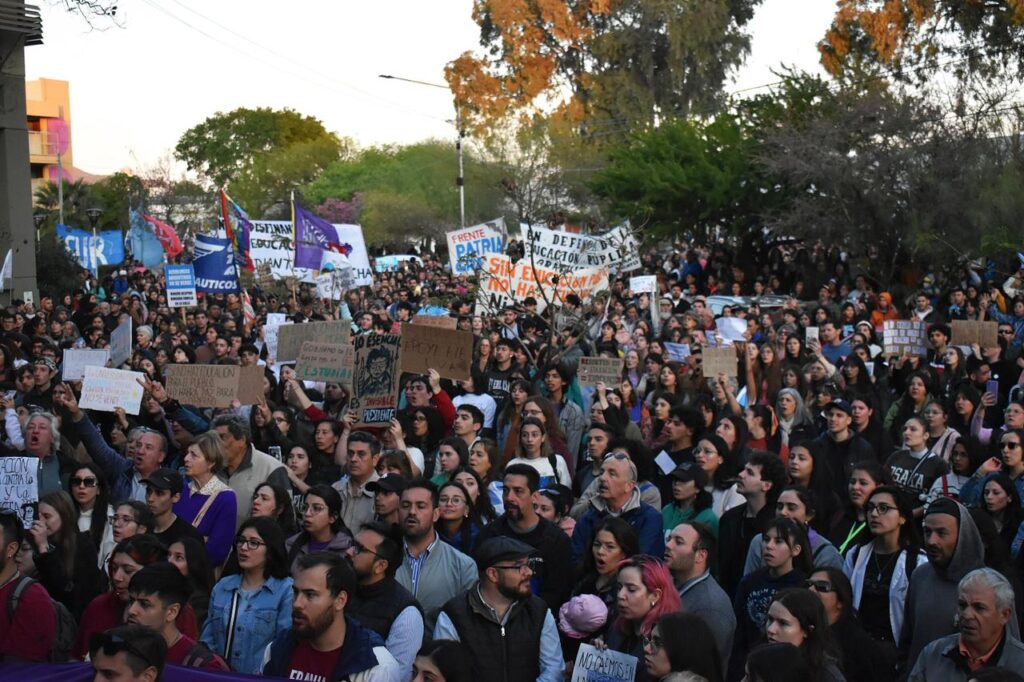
218 524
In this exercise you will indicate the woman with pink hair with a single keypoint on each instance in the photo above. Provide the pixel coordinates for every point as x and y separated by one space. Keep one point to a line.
646 593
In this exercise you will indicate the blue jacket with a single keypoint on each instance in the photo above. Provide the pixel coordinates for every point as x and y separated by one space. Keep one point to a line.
363 656
971 491
645 520
259 620
119 470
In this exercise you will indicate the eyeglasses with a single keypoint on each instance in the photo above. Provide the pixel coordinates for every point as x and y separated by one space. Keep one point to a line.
454 500
531 564
654 642
115 644
360 548
313 508
1009 445
822 586
87 482
881 508
123 520
1006 332
249 543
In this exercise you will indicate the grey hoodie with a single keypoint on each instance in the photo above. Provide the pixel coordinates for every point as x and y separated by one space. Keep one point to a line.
932 598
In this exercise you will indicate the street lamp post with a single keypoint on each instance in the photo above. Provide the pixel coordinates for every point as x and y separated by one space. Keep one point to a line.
94 217
461 180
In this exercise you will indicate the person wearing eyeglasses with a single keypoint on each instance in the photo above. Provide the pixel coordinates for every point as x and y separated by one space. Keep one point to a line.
249 609
862 658
379 602
1010 462
322 527
880 570
128 653
509 632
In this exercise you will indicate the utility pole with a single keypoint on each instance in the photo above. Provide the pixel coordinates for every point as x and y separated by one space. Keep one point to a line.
460 133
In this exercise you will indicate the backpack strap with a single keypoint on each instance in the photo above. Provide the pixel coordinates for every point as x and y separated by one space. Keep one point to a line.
554 467
24 582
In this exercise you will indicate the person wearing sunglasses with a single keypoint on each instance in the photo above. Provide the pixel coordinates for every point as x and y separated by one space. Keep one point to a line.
131 653
1009 462
250 608
91 496
510 633
861 657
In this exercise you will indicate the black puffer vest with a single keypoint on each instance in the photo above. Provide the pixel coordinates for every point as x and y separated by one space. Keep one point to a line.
377 606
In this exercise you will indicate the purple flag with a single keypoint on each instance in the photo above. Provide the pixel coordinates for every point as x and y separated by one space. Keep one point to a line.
313 236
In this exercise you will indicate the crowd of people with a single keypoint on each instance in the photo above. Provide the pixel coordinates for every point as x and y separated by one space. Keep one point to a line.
827 512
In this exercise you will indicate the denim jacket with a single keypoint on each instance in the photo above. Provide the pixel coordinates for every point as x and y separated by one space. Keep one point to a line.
259 620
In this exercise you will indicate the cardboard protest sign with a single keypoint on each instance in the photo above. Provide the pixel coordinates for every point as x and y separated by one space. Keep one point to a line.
439 321
181 286
605 665
215 385
121 343
969 332
604 370
449 351
375 378
106 389
905 336
291 336
19 487
719 360
77 359
331 362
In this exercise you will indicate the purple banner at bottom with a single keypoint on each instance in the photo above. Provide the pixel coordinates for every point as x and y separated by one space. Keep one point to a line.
83 672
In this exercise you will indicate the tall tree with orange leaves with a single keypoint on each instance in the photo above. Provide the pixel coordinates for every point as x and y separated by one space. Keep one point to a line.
916 39
606 66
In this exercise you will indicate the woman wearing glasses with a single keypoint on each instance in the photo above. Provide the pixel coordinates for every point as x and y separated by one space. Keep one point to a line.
458 524
1010 462
322 527
91 496
880 570
682 643
861 657
249 609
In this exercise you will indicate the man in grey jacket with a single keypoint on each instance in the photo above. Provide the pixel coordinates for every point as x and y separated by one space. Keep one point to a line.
432 570
688 549
984 608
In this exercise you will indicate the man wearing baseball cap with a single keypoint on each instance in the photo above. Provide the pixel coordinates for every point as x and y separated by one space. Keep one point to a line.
43 370
163 490
510 633
841 445
387 492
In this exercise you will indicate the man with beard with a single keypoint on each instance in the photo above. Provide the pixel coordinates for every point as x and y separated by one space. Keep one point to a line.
509 633
324 644
433 571
380 603
29 631
552 580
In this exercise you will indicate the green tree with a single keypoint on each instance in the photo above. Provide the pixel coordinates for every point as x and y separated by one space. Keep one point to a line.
77 198
230 146
114 194
264 188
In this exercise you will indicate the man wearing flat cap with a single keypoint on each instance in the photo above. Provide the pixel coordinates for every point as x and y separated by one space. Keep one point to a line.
510 633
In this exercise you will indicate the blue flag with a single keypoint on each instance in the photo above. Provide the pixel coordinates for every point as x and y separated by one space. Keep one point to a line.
214 263
106 248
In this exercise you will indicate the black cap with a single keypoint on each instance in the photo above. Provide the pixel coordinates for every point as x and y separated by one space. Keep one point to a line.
690 471
840 404
500 548
391 483
165 479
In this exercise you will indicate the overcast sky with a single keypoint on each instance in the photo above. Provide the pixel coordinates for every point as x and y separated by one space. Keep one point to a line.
136 89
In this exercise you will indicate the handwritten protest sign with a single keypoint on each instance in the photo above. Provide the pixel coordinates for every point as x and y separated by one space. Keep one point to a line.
106 389
274 321
121 343
449 351
438 321
593 664
970 332
644 283
604 370
905 336
77 359
375 377
19 488
719 360
215 385
331 362
291 336
506 283
465 246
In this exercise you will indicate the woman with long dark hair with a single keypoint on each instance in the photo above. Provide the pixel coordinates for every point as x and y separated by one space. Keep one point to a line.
682 643
90 494
189 556
1002 503
849 526
506 425
614 542
458 523
880 570
249 609
797 617
65 557
479 500
732 429
714 457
